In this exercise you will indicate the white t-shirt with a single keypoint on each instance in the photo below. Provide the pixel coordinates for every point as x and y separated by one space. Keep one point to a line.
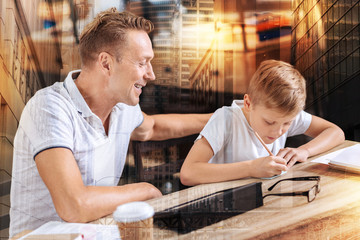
58 116
233 140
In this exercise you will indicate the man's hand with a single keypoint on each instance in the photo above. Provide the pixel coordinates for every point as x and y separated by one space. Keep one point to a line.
267 166
293 155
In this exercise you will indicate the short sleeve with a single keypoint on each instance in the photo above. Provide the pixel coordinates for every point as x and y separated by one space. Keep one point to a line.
300 124
47 122
128 117
218 129
139 117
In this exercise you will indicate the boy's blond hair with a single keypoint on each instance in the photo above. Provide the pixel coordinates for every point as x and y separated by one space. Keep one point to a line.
107 33
277 84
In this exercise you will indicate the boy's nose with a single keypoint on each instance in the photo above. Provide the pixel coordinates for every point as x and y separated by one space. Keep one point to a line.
277 131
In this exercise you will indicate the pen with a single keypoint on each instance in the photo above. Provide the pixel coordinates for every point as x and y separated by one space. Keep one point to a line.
262 143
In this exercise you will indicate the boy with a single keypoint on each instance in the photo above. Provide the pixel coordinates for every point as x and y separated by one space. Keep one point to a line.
228 148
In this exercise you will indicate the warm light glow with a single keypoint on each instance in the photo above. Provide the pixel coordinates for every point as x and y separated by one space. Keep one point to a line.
205 34
320 26
237 29
60 10
301 14
218 25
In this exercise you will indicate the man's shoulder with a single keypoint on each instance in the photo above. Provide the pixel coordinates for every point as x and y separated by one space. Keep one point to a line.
122 107
49 100
53 93
128 112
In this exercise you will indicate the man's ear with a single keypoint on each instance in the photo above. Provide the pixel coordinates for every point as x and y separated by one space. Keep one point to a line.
106 62
247 102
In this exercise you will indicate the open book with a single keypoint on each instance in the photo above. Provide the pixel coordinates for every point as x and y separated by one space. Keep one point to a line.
345 159
55 230
349 159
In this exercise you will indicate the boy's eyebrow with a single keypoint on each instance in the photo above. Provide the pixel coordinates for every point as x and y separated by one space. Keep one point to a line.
274 121
267 120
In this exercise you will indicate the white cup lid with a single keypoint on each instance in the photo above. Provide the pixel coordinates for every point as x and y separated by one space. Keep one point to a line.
133 212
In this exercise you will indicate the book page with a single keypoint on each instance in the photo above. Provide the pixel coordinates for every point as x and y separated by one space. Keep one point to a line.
350 157
88 231
326 158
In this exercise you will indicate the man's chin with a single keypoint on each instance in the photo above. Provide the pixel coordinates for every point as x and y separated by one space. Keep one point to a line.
134 102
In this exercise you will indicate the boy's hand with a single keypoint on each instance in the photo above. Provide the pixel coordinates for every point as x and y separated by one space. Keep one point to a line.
267 166
293 155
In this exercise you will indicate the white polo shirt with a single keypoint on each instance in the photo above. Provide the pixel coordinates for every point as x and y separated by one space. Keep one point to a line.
233 140
58 116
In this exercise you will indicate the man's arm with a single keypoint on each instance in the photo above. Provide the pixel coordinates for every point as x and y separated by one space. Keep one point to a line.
167 126
75 202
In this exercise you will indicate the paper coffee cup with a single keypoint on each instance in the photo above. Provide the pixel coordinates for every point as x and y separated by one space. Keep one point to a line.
135 220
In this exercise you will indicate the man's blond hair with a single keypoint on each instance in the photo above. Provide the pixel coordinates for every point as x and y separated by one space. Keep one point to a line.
277 84
107 33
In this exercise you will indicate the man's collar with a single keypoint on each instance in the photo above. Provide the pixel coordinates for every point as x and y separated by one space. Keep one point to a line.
75 94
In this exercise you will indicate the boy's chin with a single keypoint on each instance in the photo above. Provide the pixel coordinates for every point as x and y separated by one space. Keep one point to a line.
270 141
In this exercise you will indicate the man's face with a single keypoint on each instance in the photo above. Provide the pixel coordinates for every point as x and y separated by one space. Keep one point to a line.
269 123
134 69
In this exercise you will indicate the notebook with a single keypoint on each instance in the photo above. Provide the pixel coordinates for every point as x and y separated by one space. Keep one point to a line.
348 159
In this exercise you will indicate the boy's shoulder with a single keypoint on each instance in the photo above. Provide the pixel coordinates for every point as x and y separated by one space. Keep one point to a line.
235 107
226 110
229 112
237 103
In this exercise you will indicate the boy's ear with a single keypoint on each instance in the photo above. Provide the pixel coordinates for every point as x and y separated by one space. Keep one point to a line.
247 102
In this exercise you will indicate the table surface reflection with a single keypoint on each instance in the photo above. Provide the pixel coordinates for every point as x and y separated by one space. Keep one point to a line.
335 213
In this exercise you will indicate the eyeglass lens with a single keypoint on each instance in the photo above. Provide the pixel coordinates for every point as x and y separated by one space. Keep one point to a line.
313 192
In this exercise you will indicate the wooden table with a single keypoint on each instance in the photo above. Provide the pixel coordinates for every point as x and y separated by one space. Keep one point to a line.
334 214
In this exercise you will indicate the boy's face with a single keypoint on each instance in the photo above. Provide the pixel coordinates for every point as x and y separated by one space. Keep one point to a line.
269 123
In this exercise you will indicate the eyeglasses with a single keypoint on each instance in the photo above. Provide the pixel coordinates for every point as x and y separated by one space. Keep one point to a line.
311 193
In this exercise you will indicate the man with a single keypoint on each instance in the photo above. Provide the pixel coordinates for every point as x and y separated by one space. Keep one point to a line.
72 140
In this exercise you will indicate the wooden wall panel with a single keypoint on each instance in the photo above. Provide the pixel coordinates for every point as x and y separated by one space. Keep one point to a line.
2 34
21 76
8 56
9 92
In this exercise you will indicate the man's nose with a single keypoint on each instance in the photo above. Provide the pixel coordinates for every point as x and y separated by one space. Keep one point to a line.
149 75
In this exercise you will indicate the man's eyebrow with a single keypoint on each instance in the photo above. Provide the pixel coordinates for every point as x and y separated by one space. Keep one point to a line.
147 58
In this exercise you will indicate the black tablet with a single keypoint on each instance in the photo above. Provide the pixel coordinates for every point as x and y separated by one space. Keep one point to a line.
210 209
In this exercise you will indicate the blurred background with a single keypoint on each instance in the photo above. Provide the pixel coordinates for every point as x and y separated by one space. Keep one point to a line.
205 54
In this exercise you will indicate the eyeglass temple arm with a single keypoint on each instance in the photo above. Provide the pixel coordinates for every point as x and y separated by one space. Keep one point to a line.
287 194
309 178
